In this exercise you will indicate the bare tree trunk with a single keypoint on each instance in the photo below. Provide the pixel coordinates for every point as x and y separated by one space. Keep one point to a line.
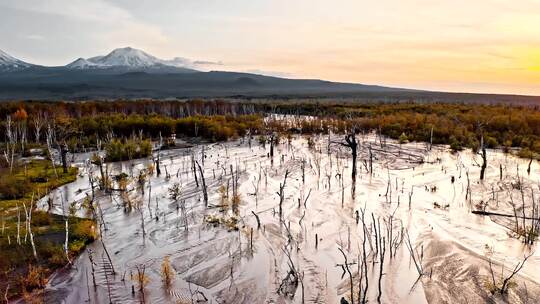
351 143
50 135
281 193
63 156
484 159
381 267
272 140
346 267
9 153
205 194
29 224
18 226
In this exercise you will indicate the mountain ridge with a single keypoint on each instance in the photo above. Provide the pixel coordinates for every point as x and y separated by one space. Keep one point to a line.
129 72
10 63
132 74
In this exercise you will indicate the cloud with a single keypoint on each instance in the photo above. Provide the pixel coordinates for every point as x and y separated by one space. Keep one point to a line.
203 62
192 64
100 20
96 10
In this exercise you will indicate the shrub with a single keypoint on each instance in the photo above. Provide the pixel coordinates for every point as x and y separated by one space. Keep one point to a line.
403 139
12 187
58 257
167 273
41 218
53 253
491 142
118 150
36 277
76 246
84 230
455 145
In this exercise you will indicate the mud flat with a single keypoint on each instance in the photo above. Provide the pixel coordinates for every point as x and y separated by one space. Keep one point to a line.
413 193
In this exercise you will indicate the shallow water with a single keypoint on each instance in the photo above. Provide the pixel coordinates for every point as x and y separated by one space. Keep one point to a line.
222 265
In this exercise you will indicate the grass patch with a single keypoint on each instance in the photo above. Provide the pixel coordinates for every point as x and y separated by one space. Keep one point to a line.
18 266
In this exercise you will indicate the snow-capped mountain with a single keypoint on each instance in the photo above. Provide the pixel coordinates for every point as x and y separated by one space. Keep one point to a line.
128 58
10 63
123 60
132 73
82 63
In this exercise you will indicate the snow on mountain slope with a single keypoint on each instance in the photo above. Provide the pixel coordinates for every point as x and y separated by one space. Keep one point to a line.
82 63
131 59
10 63
126 57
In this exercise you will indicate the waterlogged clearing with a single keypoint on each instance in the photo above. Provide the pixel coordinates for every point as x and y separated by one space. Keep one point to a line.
408 219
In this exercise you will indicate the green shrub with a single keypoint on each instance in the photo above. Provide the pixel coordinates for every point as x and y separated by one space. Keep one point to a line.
403 139
84 230
455 145
117 150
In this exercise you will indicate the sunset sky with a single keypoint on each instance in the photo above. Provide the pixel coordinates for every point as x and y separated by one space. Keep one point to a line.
468 46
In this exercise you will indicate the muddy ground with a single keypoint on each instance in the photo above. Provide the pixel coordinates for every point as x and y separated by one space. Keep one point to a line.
226 263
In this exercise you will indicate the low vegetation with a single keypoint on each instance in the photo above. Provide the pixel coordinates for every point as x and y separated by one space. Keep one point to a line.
127 149
20 270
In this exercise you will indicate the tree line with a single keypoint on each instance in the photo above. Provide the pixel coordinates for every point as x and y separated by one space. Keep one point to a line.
459 125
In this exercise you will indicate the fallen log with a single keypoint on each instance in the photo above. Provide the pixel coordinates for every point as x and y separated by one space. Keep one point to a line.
480 212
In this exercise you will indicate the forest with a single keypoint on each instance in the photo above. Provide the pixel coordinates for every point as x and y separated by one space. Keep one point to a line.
82 124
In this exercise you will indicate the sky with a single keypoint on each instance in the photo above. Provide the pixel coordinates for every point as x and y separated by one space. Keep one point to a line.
490 46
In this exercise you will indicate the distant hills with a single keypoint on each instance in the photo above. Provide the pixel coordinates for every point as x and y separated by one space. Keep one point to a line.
132 73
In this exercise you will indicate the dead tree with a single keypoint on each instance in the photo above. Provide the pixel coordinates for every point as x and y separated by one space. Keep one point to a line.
29 225
272 139
66 242
290 282
194 169
351 143
504 286
174 195
281 193
50 136
382 244
258 220
345 267
530 163
9 152
484 158
205 193
415 256
63 156
370 160
364 271
18 226
158 170
60 134
38 121
506 281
